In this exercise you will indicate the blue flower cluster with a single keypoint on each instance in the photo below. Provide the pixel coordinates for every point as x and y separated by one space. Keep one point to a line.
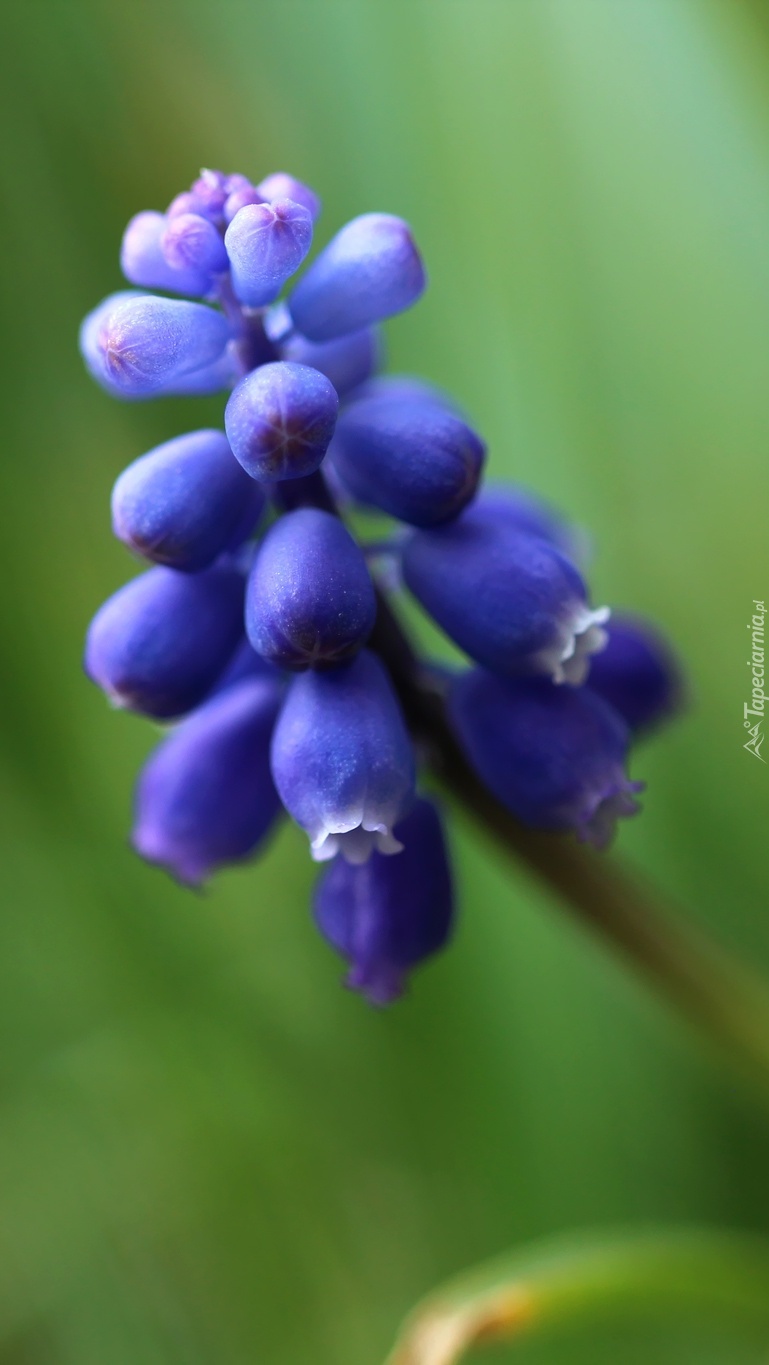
250 628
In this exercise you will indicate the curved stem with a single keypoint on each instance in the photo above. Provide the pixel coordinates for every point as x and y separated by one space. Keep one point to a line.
719 995
696 1273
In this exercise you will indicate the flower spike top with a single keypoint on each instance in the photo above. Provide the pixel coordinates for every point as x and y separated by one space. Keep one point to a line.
266 632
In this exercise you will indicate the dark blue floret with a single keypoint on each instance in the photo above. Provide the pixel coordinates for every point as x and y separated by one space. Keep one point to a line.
510 600
369 271
186 502
310 600
638 674
389 914
554 756
412 458
280 420
206 796
343 761
160 643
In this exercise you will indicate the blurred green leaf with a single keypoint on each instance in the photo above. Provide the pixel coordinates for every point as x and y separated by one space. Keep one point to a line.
697 1274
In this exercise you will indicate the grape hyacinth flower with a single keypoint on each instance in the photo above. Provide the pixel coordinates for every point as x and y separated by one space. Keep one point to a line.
238 199
144 262
281 185
407 387
245 664
508 506
191 242
278 651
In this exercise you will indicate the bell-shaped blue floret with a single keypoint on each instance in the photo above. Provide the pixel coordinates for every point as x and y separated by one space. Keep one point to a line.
508 505
310 601
343 761
406 388
206 796
160 642
186 502
246 664
239 198
638 674
510 600
280 419
369 271
191 242
554 756
411 457
206 196
389 914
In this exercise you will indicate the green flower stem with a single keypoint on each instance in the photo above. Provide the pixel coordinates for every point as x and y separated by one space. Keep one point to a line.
718 994
695 1274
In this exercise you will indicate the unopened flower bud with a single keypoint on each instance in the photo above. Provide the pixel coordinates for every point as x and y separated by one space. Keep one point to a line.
413 458
191 242
161 641
137 345
283 186
310 601
143 262
266 243
206 796
280 419
369 271
184 503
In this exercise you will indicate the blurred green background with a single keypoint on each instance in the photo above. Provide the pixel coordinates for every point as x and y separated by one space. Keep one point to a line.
210 1154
